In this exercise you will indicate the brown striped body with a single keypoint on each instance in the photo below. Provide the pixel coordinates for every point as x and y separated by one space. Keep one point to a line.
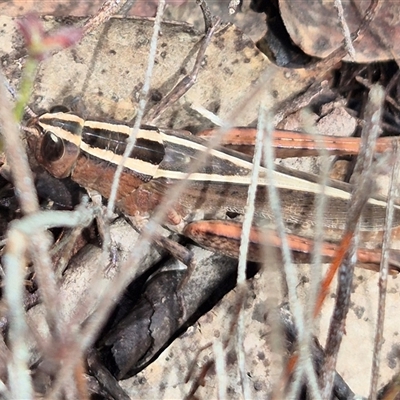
91 150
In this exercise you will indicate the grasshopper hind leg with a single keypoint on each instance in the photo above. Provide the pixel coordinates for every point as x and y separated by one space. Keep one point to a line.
225 236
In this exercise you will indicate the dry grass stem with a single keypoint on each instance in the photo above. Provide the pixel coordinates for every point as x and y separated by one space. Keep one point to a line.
383 275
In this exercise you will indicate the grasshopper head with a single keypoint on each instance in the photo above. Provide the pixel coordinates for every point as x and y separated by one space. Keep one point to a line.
58 145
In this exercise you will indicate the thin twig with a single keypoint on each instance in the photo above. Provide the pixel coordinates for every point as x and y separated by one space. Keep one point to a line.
220 369
337 55
336 327
290 273
383 276
244 245
250 203
20 380
16 156
341 389
106 294
141 108
364 174
320 209
106 11
187 82
348 43
239 334
208 18
18 242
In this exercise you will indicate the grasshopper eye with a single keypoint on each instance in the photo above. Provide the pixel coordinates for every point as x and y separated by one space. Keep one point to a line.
52 148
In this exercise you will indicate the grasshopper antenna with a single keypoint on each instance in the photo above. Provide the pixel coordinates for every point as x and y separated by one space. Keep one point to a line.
30 112
11 90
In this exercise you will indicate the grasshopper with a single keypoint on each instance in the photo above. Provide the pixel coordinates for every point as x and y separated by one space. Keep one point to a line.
89 151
